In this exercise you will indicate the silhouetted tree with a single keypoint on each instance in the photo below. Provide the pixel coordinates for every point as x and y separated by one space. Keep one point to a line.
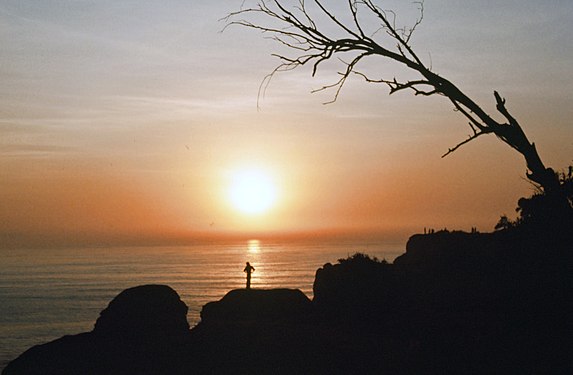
541 209
504 223
315 34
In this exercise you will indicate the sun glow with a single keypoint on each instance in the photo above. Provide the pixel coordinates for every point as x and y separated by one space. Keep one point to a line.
252 191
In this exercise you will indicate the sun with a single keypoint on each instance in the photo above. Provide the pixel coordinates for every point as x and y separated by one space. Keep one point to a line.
252 191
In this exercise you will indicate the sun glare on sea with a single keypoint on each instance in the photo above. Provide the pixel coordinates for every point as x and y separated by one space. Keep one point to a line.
254 246
252 191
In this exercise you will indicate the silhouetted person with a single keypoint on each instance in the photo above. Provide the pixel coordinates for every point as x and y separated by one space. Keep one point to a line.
249 269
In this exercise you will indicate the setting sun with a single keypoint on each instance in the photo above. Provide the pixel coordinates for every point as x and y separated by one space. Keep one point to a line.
252 191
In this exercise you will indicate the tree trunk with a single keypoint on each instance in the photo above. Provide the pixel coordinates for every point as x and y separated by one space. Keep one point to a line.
545 177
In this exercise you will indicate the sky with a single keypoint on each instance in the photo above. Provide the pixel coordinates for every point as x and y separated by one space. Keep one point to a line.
125 121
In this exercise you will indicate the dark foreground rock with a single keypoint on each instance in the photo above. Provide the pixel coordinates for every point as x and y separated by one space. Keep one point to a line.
140 332
153 312
144 331
259 305
454 303
462 302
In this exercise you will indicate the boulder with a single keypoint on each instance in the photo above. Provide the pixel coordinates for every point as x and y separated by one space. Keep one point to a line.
142 331
149 311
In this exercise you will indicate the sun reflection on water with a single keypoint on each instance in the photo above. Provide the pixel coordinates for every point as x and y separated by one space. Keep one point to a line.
254 246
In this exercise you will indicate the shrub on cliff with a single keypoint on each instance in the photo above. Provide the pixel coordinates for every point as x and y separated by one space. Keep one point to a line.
545 212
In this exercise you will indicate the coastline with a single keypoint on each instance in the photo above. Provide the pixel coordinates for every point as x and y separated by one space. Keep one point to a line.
55 292
455 302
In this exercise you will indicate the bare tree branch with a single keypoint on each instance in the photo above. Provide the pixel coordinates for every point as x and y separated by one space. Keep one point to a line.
468 140
297 28
343 77
473 121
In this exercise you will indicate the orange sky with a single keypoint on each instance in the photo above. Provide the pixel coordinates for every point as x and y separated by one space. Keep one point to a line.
123 122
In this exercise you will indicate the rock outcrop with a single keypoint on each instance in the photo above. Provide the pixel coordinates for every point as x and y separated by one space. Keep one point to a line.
357 289
148 312
445 249
460 303
142 331
258 331
260 305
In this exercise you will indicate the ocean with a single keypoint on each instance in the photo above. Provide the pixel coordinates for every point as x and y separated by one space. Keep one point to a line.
48 293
